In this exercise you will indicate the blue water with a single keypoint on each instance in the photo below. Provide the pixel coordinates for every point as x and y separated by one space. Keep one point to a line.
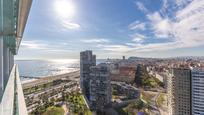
41 68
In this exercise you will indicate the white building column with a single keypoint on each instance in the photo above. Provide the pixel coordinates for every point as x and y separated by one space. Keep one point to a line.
1 50
1 67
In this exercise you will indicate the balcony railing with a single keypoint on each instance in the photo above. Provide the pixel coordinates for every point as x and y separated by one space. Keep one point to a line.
13 102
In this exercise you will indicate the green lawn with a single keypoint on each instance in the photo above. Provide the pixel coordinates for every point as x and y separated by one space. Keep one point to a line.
147 96
161 99
77 104
133 108
54 111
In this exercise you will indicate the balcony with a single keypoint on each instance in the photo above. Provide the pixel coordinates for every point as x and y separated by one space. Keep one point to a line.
13 101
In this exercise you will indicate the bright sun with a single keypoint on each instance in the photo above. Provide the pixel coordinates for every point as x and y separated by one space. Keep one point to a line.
65 8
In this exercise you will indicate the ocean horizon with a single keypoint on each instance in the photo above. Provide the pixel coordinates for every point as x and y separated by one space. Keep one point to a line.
43 68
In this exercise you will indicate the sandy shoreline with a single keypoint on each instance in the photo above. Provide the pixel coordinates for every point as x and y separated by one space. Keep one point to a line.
44 80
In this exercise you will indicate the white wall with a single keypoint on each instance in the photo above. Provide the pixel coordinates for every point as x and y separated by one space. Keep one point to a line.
1 67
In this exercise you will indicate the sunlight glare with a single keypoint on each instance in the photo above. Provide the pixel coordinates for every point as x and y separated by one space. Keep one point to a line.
65 8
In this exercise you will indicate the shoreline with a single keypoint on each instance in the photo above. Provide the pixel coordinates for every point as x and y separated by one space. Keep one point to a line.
47 79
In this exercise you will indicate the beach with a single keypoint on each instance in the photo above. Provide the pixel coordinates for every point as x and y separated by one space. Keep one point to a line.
43 80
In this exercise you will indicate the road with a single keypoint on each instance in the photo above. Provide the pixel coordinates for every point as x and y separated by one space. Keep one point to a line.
66 111
162 110
156 97
153 103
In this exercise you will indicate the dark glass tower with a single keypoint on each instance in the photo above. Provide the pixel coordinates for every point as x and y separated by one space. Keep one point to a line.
87 59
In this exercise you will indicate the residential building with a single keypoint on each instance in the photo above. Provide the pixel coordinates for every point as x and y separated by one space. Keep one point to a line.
179 91
13 17
124 89
170 89
123 74
100 87
87 59
197 92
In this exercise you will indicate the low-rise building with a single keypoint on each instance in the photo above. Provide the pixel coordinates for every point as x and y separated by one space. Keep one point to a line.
124 74
126 90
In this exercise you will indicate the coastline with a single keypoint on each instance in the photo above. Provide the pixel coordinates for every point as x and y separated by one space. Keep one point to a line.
28 81
47 79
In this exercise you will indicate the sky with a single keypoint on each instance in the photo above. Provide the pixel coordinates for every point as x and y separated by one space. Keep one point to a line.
60 29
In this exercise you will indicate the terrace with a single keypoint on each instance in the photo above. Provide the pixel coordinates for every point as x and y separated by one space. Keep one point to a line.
13 17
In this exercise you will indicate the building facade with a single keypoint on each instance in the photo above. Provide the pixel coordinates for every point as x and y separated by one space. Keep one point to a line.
197 92
179 91
100 87
13 17
87 59
170 89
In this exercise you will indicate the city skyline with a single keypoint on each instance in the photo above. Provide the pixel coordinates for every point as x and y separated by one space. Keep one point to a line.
70 61
140 28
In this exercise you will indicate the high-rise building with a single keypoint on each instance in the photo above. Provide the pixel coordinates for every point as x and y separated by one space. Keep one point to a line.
197 92
87 59
179 94
100 87
170 101
13 17
123 57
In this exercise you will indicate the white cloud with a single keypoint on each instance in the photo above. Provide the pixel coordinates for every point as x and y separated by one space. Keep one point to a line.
96 40
184 29
191 9
137 25
130 44
182 3
162 27
138 37
33 45
41 45
165 4
58 50
138 47
134 45
141 7
71 25
115 48
189 24
158 46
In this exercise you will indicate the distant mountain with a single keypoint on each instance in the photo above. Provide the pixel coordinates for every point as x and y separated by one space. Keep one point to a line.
135 58
179 58
192 57
141 58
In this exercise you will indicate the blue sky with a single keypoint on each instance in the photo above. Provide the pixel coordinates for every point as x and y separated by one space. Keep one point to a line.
60 29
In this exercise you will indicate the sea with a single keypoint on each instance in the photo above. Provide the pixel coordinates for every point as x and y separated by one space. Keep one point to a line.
30 70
